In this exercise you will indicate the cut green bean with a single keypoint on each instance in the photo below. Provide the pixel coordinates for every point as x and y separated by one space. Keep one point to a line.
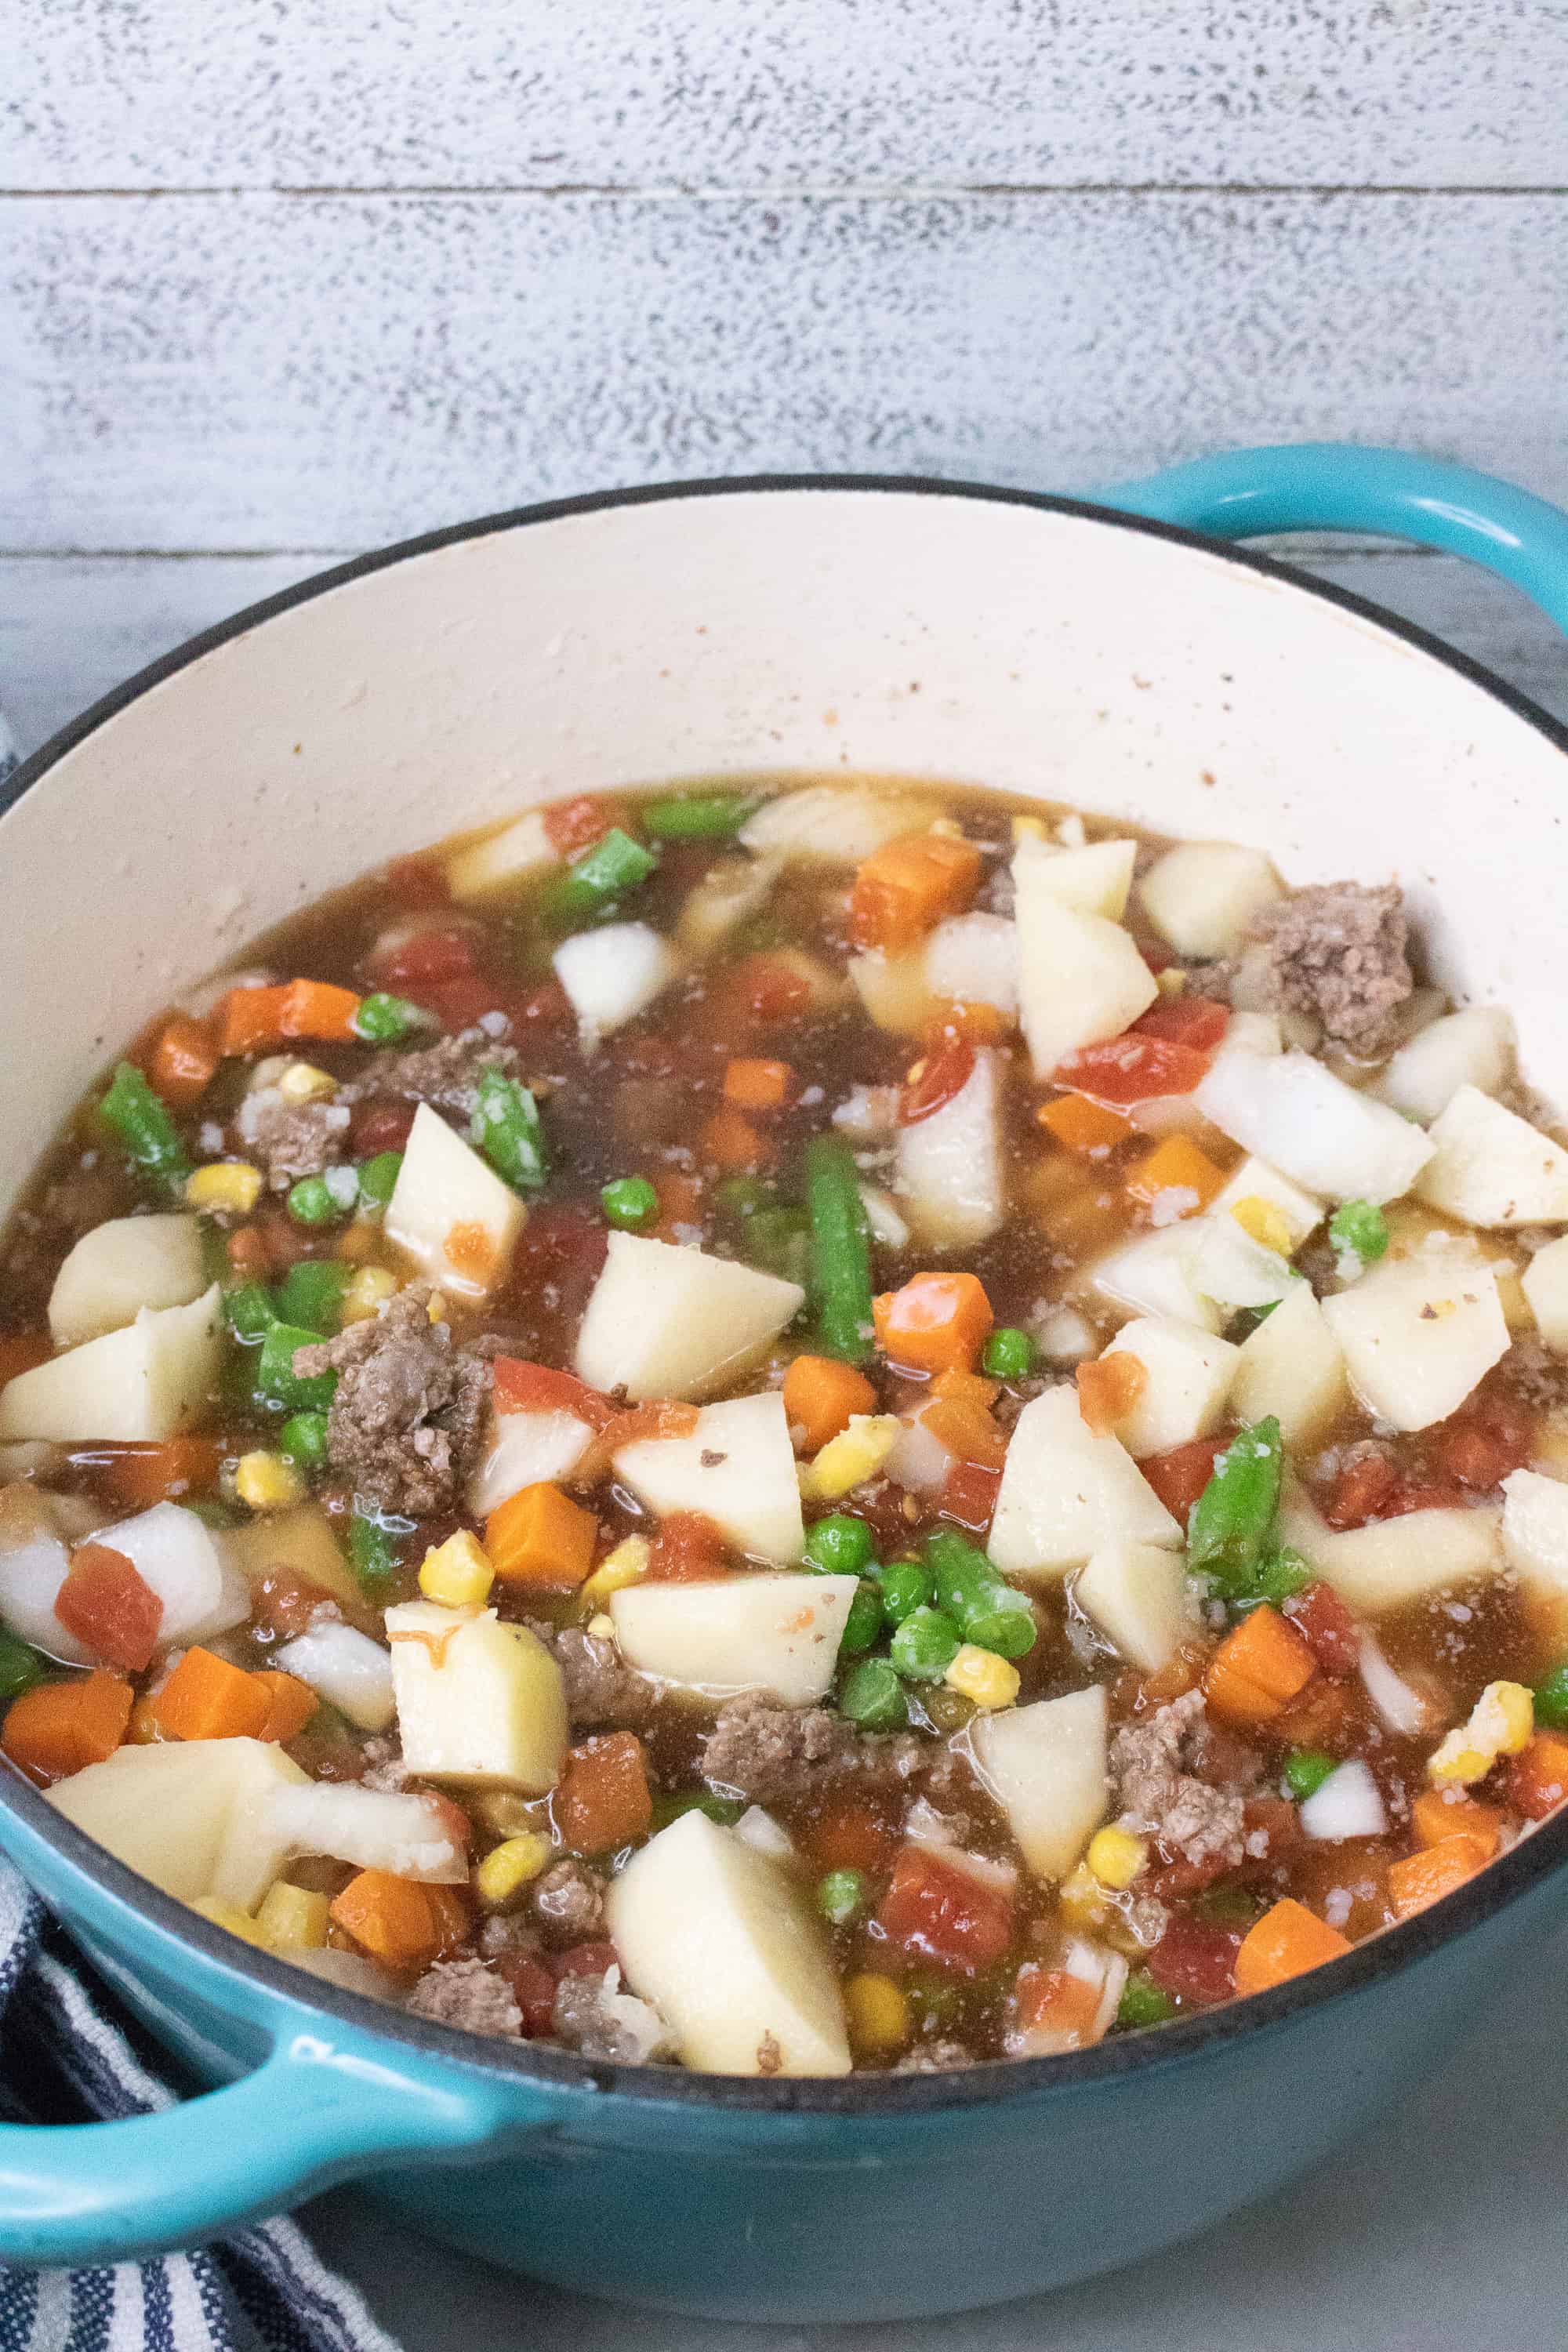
1233 1518
614 865
144 1125
864 1622
250 1311
697 816
1552 1700
311 1293
669 1804
20 1666
373 1552
506 1129
840 1251
277 1383
378 1182
383 1020
980 1600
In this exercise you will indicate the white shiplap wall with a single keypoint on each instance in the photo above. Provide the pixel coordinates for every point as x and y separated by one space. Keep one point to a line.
282 282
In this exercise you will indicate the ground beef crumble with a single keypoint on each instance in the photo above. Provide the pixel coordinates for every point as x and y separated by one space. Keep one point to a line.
1161 1798
938 2057
289 1140
446 1075
603 1693
594 2016
469 1994
569 1904
405 1418
1338 952
766 1751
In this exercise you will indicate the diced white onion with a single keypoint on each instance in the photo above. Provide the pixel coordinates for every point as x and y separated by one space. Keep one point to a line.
371 1828
1403 1709
1348 1805
344 1667
759 1829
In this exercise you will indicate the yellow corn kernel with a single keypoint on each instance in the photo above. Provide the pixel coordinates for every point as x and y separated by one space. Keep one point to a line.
1115 1856
437 1310
266 1482
1501 1722
507 1868
1263 1222
624 1565
1030 828
1172 982
980 1675
367 1294
602 1627
227 1184
301 1082
1082 1900
228 1915
852 1457
504 1813
457 1574
293 1919
878 2012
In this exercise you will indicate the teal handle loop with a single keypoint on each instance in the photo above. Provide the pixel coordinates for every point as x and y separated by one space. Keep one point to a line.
1330 485
314 2112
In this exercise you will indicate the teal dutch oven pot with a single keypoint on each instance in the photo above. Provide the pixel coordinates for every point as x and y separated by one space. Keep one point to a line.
1114 654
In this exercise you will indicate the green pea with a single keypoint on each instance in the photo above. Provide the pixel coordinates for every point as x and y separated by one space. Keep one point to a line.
839 1545
925 1645
20 1666
873 1697
1359 1232
383 1020
303 1438
906 1586
311 1201
378 1181
630 1203
864 1622
1008 1354
1305 1769
841 1896
1143 2002
1552 1700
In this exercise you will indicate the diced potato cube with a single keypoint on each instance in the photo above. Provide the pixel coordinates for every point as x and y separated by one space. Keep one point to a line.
1151 1275
298 1543
722 1940
974 960
1292 1365
826 824
1473 1048
950 1175
613 973
1066 1492
1294 1113
1256 1181
1535 1530
1545 1285
190 1815
1490 1167
1095 876
779 1633
1226 1266
502 859
190 1567
119 1268
1081 978
479 1704
1046 1766
737 1468
1392 1562
1201 896
1418 1331
670 1322
153 1379
1188 1373
1137 1595
450 1213
895 991
729 894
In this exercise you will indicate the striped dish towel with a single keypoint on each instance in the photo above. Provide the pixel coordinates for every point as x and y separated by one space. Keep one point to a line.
66 2056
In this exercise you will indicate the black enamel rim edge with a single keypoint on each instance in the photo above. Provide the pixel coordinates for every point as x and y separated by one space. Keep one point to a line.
1499 1883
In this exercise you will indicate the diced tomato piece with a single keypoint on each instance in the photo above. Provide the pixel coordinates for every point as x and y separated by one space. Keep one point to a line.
548 1006
934 1080
1480 1448
445 951
574 825
969 1495
1132 1069
1361 1492
1174 1882
562 1245
533 1989
141 1476
1538 1776
106 1602
417 881
1417 1495
1194 1961
937 1910
688 1549
458 1002
1180 1475
602 1800
1053 2011
850 1834
585 1960
382 1124
1195 1021
521 1387
1328 1628
769 988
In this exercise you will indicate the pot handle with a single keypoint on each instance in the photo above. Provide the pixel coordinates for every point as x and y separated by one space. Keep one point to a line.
315 2113
1332 486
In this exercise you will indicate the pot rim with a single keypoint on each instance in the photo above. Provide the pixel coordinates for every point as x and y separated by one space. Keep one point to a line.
1184 2040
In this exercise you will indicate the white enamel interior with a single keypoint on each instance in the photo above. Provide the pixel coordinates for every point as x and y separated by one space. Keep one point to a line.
938 635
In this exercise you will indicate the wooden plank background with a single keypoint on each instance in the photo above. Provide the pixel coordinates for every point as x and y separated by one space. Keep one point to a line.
281 283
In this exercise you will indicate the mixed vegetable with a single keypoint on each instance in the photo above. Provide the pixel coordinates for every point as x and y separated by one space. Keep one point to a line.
839 1426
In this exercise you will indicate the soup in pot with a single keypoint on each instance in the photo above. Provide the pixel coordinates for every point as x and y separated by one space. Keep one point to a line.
842 1425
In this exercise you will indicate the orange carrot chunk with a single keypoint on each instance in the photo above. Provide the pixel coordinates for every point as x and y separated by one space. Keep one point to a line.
1423 1878
688 1549
936 1323
141 1476
540 1536
398 1921
183 1063
1108 1389
1439 1813
61 1727
820 1395
1084 1126
756 1085
1538 1776
604 1800
731 1141
903 889
1258 1669
290 1704
206 1698
108 1604
252 1020
1178 1176
1286 1942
